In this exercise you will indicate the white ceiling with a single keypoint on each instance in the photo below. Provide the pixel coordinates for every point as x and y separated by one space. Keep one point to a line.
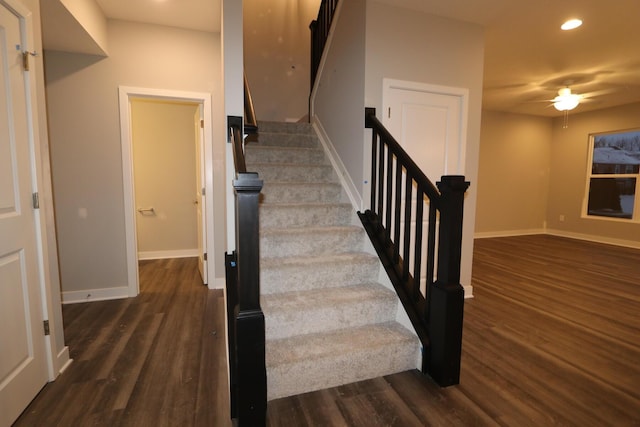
202 15
527 57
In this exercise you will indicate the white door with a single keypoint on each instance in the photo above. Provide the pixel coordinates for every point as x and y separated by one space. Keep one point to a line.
429 122
23 365
200 195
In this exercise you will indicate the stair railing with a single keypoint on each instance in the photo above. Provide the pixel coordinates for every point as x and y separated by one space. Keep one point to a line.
319 33
400 194
250 121
246 330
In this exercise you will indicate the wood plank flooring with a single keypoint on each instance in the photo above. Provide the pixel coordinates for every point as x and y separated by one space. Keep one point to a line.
155 360
552 337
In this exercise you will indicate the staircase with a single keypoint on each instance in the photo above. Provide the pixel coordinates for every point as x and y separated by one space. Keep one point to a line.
328 321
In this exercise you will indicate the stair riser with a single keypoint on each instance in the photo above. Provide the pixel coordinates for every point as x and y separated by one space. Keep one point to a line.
341 369
305 216
306 244
305 277
280 127
283 323
287 140
278 155
293 173
301 193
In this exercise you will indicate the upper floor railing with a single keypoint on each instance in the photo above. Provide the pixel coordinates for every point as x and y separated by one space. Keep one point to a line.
319 33
423 265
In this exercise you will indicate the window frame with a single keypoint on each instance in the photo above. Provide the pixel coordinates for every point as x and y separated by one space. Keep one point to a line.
635 215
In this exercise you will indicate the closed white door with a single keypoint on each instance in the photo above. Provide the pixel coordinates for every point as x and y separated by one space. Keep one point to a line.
23 366
429 123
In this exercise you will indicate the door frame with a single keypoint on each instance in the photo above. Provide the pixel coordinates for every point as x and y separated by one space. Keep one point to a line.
204 99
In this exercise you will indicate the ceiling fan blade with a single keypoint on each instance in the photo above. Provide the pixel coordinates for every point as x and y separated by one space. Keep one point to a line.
597 93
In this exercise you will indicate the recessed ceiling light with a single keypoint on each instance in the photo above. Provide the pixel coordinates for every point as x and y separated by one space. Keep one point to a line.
571 24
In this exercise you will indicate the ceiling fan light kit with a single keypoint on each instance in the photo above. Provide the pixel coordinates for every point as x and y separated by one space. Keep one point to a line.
566 100
571 24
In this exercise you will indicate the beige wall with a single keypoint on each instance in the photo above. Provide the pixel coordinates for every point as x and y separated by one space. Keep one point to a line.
88 14
569 150
85 138
338 100
527 163
164 162
276 46
513 175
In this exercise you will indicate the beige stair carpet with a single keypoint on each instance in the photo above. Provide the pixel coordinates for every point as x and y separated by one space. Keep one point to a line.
328 322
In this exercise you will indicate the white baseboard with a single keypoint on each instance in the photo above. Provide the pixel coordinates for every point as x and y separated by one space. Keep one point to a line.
560 233
509 233
597 239
468 291
345 179
177 253
63 361
90 295
219 283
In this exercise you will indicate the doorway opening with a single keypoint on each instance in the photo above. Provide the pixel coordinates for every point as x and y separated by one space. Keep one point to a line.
166 179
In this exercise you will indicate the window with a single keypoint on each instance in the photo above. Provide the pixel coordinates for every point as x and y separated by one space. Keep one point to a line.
613 175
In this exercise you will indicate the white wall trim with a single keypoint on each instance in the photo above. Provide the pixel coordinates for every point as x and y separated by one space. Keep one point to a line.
561 233
341 170
90 295
508 233
176 253
596 239
219 283
125 95
63 361
468 291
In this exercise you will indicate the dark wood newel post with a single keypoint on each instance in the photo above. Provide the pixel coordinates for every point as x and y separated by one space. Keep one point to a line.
446 295
249 320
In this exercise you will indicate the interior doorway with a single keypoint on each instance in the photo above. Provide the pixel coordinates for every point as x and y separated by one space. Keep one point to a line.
164 141
138 104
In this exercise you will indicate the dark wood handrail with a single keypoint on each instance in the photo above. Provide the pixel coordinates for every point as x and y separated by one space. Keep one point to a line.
320 28
248 378
250 120
236 138
372 122
436 310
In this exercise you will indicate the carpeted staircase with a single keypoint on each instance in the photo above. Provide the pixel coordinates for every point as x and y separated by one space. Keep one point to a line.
328 321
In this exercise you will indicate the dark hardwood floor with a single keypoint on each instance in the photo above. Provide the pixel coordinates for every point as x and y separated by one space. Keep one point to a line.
155 360
552 337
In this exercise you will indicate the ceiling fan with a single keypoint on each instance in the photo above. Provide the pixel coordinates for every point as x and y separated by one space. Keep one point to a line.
566 100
